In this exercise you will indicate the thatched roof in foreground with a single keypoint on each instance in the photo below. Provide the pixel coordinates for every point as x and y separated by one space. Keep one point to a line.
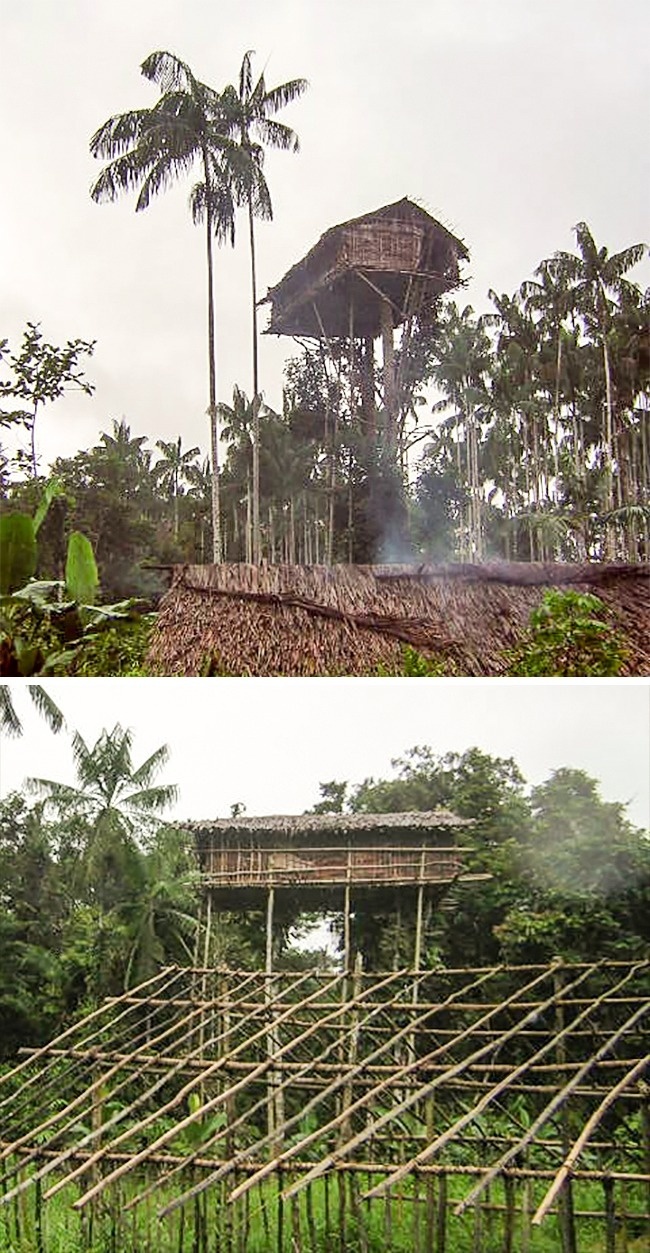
355 620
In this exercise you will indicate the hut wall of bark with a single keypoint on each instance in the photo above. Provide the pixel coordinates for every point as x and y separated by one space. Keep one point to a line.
397 253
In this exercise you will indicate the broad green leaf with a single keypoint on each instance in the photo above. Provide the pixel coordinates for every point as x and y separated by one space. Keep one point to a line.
17 551
81 577
52 489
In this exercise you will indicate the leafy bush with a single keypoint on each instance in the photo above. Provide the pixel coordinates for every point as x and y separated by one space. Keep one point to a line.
569 636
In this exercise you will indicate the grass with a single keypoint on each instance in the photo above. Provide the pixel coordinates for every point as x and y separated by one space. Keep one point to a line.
330 1217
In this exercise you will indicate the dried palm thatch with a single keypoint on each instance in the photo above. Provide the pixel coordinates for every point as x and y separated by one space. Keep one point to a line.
355 620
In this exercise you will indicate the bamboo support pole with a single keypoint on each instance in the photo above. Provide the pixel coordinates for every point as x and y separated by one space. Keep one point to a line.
454 1072
69 1031
403 1105
358 1104
495 1090
270 1167
565 1170
210 1071
337 1035
388 355
555 1103
87 1098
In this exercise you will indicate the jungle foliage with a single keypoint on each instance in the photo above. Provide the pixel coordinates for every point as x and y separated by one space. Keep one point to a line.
97 891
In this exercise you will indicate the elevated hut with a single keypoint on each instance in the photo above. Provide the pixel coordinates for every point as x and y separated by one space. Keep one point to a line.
357 620
400 861
364 278
375 269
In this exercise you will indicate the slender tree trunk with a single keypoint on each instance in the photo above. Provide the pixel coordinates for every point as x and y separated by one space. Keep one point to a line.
256 388
609 468
33 443
212 407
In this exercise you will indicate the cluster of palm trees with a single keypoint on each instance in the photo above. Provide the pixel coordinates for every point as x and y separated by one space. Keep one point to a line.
542 432
223 133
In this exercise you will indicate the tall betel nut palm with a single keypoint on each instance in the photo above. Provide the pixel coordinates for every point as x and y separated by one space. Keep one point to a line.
252 108
596 275
148 150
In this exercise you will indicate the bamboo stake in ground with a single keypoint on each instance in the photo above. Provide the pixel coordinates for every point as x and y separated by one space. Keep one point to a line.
553 1105
564 1173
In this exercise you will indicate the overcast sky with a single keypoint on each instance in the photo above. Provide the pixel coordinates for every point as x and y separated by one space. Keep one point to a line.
510 121
268 743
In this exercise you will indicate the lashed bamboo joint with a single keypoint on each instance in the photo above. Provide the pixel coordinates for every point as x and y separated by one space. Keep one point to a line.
399 1097
356 620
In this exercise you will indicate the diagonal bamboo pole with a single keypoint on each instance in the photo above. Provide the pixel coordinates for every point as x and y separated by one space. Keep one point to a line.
96 1013
451 1132
427 1089
144 1097
554 1104
88 1095
244 1154
590 1126
332 1088
210 1071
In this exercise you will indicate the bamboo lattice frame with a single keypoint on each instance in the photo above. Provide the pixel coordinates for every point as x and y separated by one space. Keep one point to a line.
204 1078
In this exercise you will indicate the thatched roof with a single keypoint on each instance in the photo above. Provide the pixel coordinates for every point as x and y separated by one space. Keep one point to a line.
355 620
395 246
422 827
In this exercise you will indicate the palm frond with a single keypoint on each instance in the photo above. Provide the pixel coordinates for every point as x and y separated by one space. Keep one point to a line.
46 706
119 134
10 723
284 94
80 752
162 176
149 768
277 134
168 71
152 799
246 75
62 795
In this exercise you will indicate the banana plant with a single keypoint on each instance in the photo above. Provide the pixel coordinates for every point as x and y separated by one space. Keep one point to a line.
43 623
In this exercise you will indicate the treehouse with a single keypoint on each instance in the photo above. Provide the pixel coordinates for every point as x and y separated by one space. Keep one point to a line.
361 280
374 269
398 861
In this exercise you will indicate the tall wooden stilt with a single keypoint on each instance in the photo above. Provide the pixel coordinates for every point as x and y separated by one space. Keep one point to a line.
388 354
270 1035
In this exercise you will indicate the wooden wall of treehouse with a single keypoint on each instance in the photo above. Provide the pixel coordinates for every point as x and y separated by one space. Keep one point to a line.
369 865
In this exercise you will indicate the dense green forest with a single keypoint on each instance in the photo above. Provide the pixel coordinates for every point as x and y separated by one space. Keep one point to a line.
532 421
97 891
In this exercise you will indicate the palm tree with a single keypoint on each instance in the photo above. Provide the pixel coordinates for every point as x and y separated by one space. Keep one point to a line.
149 149
119 802
460 369
162 917
172 469
252 108
596 277
10 722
